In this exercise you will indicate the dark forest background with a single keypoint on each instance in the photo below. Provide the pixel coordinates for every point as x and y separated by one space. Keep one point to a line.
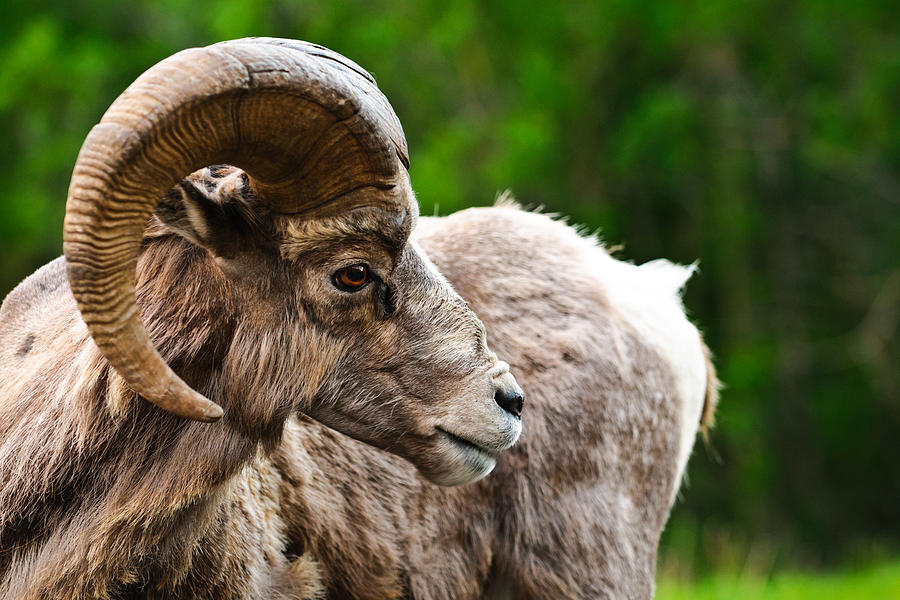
761 138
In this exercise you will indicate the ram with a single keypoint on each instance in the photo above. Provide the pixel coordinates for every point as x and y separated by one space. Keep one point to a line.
170 388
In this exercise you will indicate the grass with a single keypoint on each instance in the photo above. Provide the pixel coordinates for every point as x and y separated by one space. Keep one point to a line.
874 583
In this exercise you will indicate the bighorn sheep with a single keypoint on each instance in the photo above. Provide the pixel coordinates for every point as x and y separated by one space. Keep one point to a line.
289 298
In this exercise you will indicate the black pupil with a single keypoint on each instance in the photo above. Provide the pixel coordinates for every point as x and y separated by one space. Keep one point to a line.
355 274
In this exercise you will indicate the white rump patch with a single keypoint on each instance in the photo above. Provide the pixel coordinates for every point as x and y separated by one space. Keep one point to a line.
649 297
668 275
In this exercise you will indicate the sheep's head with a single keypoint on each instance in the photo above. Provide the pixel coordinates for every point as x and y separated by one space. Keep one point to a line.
345 319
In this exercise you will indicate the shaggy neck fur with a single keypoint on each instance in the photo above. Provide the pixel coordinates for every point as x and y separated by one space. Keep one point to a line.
98 486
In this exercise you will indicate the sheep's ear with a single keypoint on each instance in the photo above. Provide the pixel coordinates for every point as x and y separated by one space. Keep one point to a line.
211 211
189 212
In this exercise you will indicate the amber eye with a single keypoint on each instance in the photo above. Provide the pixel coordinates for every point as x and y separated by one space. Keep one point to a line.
352 278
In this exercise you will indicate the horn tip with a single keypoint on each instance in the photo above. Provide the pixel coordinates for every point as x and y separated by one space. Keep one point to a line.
204 410
193 405
211 413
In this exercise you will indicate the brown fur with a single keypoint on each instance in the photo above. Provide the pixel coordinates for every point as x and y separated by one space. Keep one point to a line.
105 496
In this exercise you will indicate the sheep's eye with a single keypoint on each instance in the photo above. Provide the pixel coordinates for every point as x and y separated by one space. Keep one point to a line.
352 278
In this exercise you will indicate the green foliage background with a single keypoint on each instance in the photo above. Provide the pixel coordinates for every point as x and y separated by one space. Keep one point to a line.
761 138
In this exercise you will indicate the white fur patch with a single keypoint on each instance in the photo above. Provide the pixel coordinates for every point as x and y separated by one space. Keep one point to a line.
650 296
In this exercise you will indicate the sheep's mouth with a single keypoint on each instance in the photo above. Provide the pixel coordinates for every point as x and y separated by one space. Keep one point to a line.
466 444
456 460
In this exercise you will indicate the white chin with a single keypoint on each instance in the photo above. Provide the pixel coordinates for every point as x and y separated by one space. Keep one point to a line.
461 463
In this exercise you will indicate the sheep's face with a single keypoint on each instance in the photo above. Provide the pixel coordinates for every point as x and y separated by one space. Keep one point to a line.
412 373
365 336
415 375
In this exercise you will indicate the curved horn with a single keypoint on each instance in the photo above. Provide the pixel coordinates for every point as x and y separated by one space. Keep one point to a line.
307 125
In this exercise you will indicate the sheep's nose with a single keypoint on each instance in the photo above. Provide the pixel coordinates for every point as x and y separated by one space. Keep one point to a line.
510 400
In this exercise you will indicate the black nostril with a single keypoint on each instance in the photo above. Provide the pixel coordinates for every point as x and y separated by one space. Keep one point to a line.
510 401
